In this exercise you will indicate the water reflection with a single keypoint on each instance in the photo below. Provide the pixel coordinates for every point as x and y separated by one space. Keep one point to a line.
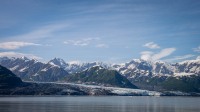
99 104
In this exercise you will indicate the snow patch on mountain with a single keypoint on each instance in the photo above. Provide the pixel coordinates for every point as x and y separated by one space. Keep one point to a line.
14 68
183 74
22 70
45 69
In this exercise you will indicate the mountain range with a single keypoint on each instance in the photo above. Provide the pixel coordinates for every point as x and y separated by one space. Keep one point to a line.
10 84
149 75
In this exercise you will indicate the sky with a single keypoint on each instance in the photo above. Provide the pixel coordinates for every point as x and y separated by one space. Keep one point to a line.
112 31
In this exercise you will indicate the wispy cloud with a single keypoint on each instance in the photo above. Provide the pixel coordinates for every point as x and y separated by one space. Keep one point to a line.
148 55
74 62
198 57
15 45
81 42
18 55
197 49
102 46
152 45
42 32
163 53
177 58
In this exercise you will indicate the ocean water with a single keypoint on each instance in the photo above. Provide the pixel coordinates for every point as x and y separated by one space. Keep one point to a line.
100 104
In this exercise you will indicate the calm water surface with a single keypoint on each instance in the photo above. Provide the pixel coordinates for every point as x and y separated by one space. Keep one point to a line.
100 104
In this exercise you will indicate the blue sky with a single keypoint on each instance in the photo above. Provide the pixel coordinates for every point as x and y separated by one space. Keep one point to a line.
100 30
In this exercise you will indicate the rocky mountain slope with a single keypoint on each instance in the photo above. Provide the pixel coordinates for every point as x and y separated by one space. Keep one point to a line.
100 76
8 79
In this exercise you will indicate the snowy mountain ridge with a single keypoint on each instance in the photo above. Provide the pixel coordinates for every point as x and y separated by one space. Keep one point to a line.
137 66
33 70
129 69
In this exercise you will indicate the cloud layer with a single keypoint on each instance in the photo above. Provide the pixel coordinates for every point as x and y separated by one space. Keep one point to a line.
18 55
15 45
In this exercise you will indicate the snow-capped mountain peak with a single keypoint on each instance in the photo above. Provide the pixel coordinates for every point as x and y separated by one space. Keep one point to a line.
25 58
58 61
